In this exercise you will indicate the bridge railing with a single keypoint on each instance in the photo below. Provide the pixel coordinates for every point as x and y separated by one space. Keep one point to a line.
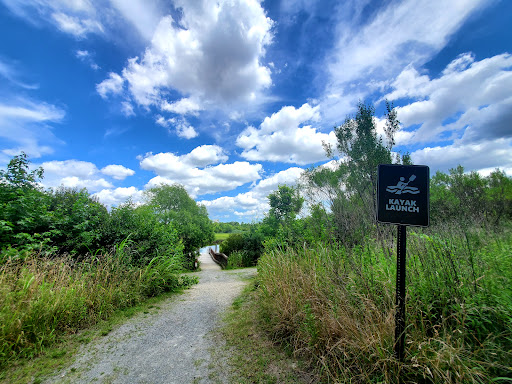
220 258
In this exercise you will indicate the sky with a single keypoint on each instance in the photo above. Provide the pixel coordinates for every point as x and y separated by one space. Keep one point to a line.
232 98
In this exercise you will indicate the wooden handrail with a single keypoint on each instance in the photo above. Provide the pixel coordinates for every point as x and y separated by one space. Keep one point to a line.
219 258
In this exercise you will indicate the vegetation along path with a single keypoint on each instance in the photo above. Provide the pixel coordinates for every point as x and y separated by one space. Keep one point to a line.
170 346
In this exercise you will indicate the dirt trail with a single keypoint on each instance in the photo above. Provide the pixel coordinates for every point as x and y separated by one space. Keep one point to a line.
170 346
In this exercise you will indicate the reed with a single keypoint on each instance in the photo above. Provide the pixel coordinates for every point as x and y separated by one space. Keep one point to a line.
336 306
43 299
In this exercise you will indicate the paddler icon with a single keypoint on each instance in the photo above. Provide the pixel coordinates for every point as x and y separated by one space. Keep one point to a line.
402 187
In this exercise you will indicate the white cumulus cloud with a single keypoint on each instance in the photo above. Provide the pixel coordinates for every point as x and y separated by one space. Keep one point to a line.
212 54
113 84
284 137
199 171
117 172
474 95
118 196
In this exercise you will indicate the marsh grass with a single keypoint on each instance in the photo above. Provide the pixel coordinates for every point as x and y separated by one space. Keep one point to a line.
336 307
44 299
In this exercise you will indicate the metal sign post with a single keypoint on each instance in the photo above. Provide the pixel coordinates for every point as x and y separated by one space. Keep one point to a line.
401 241
403 199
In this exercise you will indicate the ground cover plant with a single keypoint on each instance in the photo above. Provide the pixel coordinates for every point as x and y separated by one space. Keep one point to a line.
43 299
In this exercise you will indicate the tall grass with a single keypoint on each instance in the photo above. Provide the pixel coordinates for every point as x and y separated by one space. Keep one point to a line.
336 306
42 299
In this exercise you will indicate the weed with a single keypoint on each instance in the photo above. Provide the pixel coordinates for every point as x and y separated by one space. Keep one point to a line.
335 306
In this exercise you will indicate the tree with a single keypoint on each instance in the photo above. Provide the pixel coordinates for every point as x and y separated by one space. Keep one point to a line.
176 208
348 188
285 203
23 205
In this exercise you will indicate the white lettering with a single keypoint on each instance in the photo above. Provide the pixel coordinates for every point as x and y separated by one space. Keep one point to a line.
402 206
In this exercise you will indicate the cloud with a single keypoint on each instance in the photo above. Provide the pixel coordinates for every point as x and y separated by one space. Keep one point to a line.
82 174
87 57
371 50
283 137
113 84
118 196
127 109
73 174
489 154
211 54
76 26
252 204
77 18
144 15
199 171
181 126
182 107
470 98
25 126
118 172
9 71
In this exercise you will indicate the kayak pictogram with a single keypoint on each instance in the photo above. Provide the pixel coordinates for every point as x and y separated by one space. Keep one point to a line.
402 187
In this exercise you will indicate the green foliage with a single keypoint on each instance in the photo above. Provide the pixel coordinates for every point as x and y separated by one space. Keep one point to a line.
469 197
71 222
75 219
246 248
174 207
42 299
285 203
335 305
24 213
148 235
280 224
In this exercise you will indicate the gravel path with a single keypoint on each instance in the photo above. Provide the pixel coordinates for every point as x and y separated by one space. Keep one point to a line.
170 346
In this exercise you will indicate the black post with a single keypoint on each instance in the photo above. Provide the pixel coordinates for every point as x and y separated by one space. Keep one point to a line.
400 293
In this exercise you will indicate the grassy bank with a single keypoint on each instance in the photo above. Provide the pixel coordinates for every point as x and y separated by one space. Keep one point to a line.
335 306
250 354
42 299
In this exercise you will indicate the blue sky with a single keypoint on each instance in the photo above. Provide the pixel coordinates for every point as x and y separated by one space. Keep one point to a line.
233 98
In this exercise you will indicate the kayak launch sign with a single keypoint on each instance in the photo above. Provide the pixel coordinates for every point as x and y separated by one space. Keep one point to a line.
403 194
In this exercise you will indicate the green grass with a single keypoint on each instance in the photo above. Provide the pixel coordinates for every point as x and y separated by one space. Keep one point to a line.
251 356
43 301
335 307
221 236
61 354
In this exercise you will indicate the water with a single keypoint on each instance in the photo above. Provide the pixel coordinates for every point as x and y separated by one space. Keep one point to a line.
215 247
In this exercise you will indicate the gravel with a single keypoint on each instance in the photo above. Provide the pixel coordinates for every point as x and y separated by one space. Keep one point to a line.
170 346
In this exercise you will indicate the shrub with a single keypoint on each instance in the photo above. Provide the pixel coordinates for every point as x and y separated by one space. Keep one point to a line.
248 244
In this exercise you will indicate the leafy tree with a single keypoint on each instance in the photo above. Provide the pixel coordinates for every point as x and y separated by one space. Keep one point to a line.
347 189
23 205
146 233
75 221
174 207
285 204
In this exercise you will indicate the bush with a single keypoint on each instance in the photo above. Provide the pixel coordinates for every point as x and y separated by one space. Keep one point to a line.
248 247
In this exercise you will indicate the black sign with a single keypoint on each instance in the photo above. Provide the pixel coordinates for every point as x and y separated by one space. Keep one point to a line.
403 194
